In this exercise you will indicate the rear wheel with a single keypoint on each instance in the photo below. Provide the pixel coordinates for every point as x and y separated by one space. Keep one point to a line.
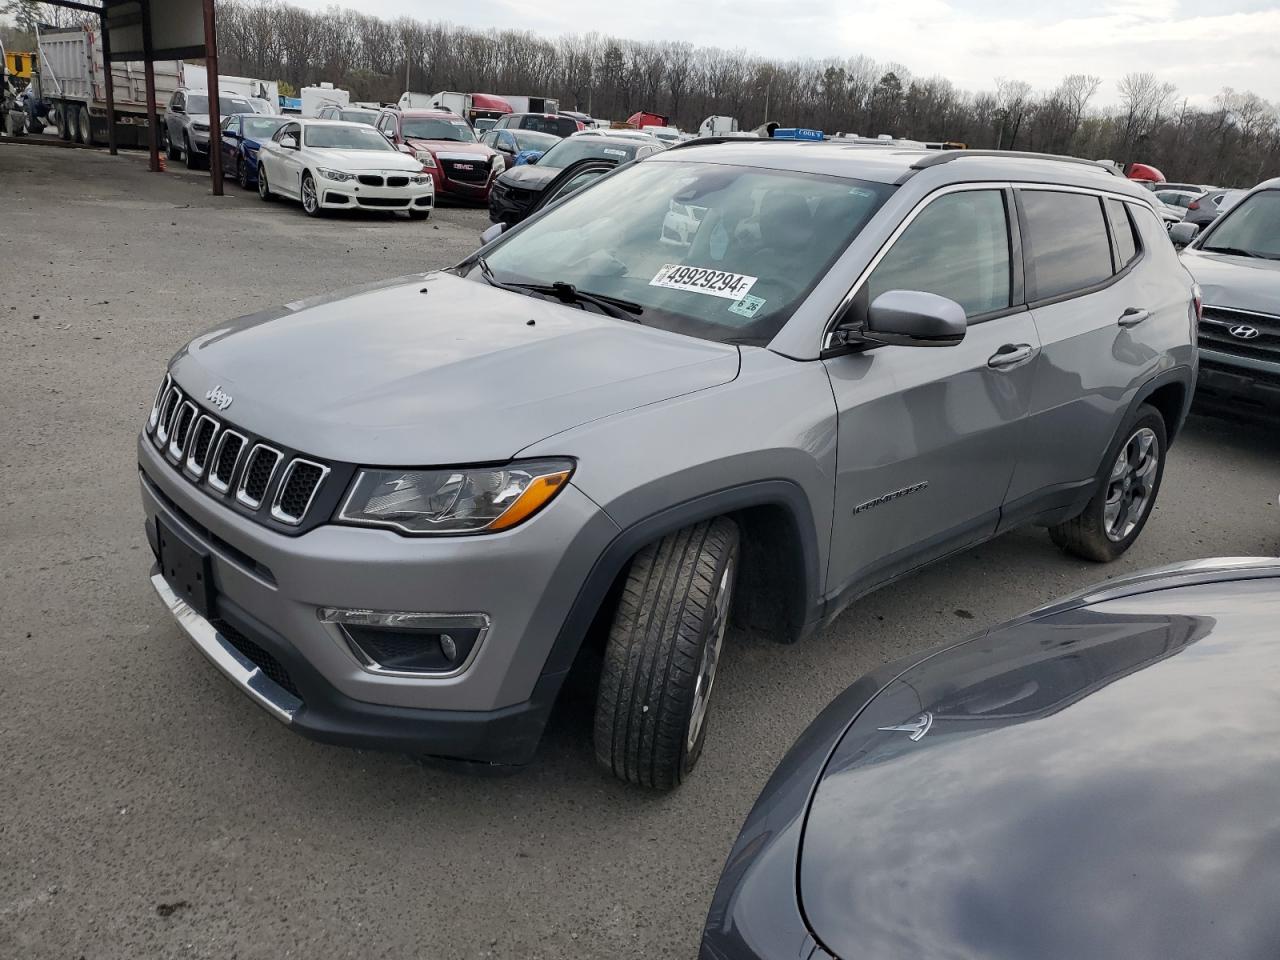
310 198
1125 496
64 121
663 653
84 132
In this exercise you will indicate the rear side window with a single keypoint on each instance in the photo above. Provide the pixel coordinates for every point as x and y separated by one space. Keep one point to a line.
1067 240
1122 232
958 247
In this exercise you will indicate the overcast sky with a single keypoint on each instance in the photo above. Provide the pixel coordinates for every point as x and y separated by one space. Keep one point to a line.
1200 45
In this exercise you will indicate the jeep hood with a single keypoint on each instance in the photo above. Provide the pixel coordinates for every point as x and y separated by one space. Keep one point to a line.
1240 283
437 369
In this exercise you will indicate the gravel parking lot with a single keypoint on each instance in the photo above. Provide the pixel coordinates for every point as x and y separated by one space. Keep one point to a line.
149 810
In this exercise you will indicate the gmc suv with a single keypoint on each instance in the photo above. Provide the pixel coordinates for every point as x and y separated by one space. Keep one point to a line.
392 517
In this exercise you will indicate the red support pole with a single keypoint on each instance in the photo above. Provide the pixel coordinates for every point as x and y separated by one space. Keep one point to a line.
149 72
110 84
215 106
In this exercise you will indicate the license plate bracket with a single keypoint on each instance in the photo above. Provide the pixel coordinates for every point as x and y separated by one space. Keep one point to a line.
186 568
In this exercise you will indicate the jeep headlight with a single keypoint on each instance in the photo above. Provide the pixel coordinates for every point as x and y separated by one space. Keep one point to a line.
454 500
426 159
334 174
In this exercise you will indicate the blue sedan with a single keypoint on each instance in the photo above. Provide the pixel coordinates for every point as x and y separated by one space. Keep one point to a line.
242 135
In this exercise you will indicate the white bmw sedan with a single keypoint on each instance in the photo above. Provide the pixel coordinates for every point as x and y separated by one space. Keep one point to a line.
333 165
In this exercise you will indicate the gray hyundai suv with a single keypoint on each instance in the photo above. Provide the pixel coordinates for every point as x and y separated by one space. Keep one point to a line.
393 517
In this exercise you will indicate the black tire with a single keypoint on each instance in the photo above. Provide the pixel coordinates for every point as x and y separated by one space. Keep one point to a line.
189 155
242 172
166 144
65 132
669 623
1115 517
264 189
84 127
310 196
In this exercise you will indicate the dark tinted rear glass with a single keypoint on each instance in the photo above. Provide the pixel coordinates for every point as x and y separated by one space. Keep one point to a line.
559 126
1068 241
1122 230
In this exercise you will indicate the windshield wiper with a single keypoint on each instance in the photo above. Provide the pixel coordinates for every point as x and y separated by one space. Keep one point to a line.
614 307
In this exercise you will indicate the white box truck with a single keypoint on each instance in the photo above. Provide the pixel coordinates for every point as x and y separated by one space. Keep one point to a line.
313 98
73 79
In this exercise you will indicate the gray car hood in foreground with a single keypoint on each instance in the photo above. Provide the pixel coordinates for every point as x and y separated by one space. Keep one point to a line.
437 369
1239 283
1099 782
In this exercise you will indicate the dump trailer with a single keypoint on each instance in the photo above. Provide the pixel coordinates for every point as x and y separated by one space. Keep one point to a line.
73 80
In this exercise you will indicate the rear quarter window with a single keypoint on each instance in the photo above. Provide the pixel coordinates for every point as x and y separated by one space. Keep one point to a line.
1122 232
1067 240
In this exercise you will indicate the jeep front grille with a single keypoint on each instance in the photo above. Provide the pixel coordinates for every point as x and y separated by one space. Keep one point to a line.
275 485
298 486
259 468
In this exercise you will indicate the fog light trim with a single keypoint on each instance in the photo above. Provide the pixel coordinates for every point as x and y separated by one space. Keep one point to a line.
429 624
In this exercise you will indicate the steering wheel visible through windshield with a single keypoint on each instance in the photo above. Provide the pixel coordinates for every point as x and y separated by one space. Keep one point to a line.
710 250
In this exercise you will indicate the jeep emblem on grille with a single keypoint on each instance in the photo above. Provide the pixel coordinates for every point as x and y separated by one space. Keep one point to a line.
219 397
1244 332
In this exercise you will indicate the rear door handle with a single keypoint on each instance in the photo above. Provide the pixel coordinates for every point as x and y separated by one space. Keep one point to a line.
1011 354
1133 316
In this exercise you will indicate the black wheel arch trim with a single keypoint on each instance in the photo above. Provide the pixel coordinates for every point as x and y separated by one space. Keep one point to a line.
1180 375
614 558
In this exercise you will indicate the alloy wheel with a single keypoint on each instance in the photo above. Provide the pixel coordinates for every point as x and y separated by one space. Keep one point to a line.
309 200
1131 485
710 659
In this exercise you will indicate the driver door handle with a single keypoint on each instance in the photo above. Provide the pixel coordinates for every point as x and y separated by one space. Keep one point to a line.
1011 354
1133 316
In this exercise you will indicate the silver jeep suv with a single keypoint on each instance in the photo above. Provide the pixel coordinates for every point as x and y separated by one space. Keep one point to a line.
393 517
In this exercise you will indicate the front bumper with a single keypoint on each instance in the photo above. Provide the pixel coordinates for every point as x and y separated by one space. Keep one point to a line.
348 194
510 205
1237 384
461 189
268 587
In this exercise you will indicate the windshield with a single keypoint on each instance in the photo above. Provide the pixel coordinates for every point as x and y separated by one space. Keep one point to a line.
532 140
199 103
346 138
580 148
433 128
709 250
1251 228
358 116
262 128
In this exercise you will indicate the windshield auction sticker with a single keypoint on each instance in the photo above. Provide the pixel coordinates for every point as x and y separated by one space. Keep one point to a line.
715 283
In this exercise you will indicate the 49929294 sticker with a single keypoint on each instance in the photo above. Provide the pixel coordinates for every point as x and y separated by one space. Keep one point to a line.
714 283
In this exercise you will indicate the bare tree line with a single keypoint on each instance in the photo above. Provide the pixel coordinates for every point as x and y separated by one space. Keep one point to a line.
1235 142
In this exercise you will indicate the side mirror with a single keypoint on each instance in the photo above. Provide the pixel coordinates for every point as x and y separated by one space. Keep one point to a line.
493 233
912 318
1183 233
290 142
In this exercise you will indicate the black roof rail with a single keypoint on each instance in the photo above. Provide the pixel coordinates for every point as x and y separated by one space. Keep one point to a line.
946 156
707 141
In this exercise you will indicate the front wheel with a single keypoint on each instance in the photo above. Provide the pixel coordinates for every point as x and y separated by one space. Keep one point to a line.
310 198
242 172
189 155
264 191
663 652
1125 496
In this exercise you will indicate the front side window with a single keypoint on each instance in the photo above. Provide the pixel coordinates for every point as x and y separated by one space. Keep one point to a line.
1067 241
346 138
958 248
1123 232
290 130
761 240
1251 228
